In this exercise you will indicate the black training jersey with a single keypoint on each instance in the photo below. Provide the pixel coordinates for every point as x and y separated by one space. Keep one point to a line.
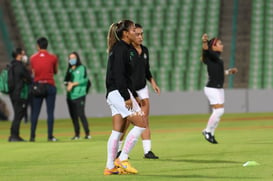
119 69
215 68
22 79
141 68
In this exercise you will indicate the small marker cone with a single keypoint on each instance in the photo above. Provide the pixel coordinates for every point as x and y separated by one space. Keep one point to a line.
250 163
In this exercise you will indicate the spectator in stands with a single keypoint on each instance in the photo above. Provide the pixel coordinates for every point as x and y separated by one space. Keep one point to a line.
19 93
121 97
44 65
141 73
214 91
76 82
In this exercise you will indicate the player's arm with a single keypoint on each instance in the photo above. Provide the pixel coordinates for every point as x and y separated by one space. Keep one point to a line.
205 42
231 71
155 86
149 75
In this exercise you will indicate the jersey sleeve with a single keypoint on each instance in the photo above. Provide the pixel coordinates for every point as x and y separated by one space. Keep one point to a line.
119 71
148 73
80 76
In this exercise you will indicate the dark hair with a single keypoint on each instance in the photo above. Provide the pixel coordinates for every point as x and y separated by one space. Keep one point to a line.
123 25
212 42
138 25
16 52
116 31
42 43
77 57
67 75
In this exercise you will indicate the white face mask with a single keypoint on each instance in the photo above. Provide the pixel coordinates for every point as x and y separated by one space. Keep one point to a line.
24 59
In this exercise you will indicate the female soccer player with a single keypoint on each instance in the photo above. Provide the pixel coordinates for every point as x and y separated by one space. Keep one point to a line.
121 97
214 91
141 73
76 82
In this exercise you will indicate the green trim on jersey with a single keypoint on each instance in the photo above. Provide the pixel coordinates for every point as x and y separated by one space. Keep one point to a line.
24 94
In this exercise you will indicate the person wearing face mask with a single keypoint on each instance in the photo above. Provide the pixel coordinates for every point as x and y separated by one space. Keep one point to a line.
19 94
24 58
76 82
44 66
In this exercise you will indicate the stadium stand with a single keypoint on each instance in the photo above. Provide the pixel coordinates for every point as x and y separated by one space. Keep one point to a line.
256 45
268 45
172 33
261 45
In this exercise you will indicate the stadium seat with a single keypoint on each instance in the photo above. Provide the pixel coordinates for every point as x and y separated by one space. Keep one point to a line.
154 58
122 3
149 3
176 3
163 79
131 13
89 18
177 79
145 16
180 59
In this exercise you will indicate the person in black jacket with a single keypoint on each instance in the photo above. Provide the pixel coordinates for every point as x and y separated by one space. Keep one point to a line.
141 73
121 97
19 94
214 91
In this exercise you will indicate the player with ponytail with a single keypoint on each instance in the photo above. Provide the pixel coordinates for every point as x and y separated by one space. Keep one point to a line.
214 91
121 97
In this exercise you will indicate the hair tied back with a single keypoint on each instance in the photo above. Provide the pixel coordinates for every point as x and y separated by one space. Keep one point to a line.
115 27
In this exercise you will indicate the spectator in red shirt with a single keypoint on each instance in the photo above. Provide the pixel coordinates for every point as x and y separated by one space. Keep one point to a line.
44 65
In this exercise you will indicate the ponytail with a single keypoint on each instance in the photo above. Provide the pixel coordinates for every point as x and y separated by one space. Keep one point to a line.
202 58
115 32
112 36
210 43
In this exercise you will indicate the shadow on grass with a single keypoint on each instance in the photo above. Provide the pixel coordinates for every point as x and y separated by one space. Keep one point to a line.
194 155
202 176
200 161
261 143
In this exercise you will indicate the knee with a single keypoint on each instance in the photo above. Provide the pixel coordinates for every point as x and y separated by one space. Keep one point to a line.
220 111
142 124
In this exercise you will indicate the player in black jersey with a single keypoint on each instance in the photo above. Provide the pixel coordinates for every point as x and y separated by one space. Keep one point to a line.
140 74
121 97
214 91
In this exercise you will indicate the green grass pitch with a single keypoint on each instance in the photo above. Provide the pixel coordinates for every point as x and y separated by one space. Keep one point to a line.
177 140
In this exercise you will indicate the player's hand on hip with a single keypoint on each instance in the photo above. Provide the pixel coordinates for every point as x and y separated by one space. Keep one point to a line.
129 104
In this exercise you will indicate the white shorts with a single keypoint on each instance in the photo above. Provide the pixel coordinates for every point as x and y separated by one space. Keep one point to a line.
214 95
117 104
143 93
